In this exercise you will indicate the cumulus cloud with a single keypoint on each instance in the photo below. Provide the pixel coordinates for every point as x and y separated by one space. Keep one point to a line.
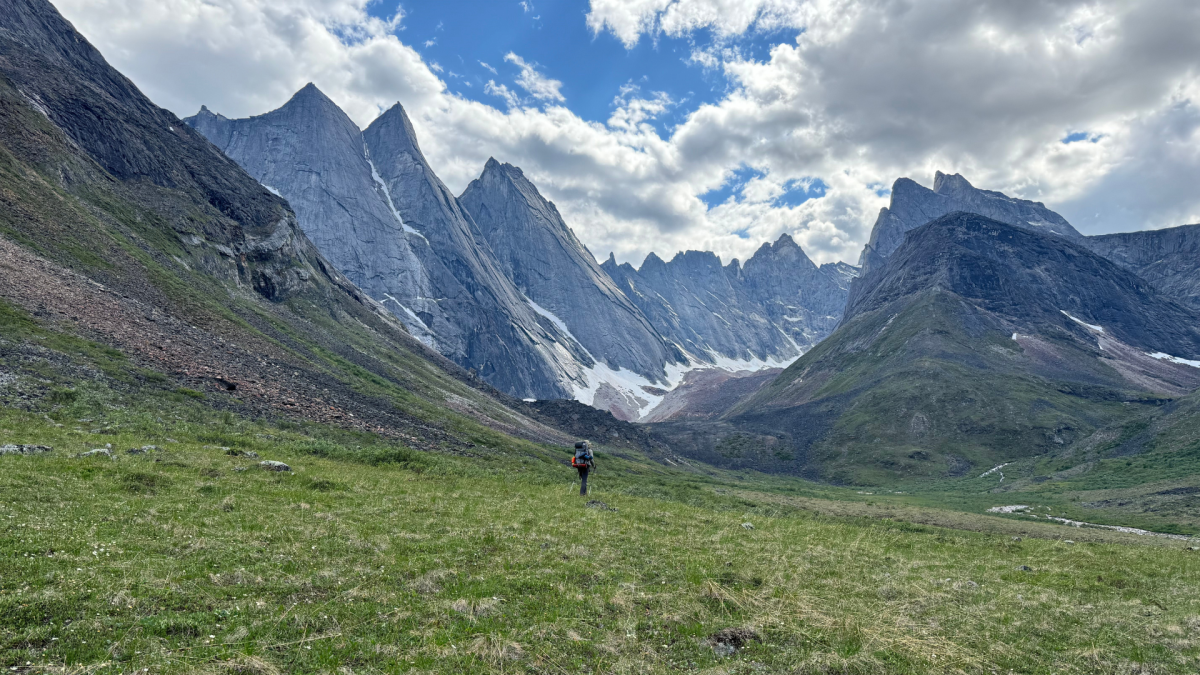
539 86
859 93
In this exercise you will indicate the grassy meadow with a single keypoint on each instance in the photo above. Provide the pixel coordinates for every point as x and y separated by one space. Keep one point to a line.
368 558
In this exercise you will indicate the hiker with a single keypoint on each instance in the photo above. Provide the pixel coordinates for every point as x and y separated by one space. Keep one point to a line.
583 461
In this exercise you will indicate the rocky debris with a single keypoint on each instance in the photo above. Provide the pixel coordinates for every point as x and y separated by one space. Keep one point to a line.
1024 568
728 640
748 526
11 449
98 452
250 454
145 449
272 465
1068 542
597 504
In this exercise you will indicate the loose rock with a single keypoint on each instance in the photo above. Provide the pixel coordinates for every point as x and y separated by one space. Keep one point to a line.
145 449
748 526
1025 568
728 640
272 465
597 504
24 449
98 452
241 453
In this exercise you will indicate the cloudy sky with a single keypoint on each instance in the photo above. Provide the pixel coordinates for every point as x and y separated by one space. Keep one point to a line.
665 125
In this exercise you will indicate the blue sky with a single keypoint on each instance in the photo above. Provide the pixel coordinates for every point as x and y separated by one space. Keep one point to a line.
553 35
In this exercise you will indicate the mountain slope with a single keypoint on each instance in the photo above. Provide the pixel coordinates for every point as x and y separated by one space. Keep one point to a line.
140 260
1169 258
547 263
913 205
974 344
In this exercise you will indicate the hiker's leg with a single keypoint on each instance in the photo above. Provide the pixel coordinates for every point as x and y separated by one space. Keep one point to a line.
583 481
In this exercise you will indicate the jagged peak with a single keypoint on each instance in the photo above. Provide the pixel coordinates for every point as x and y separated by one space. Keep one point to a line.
310 92
612 258
395 125
943 183
652 260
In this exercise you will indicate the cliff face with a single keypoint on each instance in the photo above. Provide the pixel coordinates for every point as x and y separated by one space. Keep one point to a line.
312 154
498 333
542 256
1168 259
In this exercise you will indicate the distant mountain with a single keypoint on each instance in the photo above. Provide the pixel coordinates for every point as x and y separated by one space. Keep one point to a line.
545 260
974 343
1169 259
804 300
700 305
913 205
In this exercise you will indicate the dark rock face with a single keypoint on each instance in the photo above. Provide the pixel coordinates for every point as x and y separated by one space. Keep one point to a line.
1168 259
703 307
66 79
913 205
542 256
312 154
1035 280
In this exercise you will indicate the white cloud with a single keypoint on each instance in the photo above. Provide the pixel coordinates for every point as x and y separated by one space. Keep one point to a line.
870 90
539 86
487 67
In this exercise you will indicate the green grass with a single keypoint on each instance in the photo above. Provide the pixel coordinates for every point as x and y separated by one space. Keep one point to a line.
375 558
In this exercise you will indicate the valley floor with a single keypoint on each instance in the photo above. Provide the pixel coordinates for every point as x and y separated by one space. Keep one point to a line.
370 559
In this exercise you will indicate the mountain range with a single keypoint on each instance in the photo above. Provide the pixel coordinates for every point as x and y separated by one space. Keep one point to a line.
294 265
495 280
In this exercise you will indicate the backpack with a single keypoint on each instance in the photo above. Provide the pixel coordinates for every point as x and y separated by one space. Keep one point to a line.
583 456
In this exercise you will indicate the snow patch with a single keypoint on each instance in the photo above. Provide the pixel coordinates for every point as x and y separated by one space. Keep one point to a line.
587 381
1174 359
1014 337
1015 508
1098 329
426 335
387 194
271 190
995 469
